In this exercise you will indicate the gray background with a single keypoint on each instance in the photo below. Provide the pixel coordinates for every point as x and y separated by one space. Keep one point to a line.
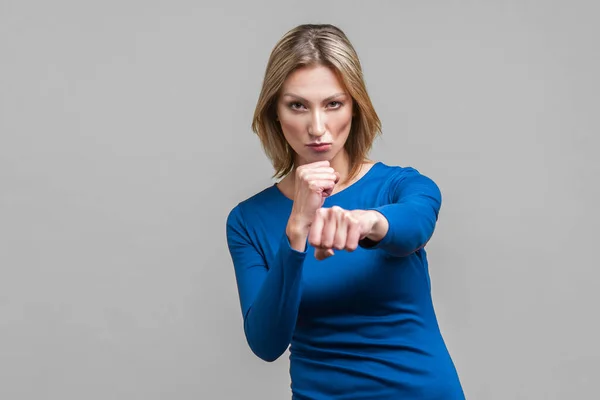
125 140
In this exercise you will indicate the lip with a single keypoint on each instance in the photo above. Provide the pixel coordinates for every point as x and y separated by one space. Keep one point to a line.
319 147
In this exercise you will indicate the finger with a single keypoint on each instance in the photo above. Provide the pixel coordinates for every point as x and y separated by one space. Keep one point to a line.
320 176
305 174
326 253
321 254
336 179
341 231
321 186
309 174
353 234
327 170
316 229
327 192
329 228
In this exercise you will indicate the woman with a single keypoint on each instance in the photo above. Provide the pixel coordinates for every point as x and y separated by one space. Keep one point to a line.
331 259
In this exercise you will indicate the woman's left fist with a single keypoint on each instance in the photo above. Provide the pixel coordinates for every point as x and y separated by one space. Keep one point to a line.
339 229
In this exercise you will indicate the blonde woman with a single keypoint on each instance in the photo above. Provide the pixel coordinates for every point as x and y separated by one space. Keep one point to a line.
330 261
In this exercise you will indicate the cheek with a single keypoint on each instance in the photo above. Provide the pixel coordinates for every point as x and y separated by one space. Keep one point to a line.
291 127
342 123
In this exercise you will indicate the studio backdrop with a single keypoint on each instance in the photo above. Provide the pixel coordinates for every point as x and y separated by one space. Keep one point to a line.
125 141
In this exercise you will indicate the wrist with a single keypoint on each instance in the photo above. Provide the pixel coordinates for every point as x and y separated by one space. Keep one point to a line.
297 226
297 234
379 228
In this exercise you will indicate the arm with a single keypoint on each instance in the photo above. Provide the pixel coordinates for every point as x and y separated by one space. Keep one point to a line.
269 297
407 223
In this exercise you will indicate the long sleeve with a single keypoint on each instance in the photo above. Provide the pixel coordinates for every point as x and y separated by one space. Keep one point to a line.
269 295
412 213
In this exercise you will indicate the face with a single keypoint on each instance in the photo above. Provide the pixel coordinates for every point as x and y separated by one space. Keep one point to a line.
315 113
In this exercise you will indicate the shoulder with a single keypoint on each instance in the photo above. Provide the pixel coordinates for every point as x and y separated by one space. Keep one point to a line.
395 173
261 203
259 219
397 179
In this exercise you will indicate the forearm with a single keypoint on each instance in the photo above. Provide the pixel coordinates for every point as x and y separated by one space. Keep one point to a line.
297 234
380 227
402 228
411 214
270 321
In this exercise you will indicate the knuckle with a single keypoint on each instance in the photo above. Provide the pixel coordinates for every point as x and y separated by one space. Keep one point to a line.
314 186
338 211
350 218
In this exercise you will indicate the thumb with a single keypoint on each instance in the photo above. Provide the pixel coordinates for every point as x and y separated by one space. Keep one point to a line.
321 254
337 177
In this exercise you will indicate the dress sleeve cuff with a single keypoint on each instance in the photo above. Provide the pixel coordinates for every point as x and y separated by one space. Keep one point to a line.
367 243
286 246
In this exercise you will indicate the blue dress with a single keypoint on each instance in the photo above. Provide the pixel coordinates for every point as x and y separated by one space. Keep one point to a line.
359 325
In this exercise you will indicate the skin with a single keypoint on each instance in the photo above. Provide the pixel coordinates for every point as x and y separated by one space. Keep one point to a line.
313 108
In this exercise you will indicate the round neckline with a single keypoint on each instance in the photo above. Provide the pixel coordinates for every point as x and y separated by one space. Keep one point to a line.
344 190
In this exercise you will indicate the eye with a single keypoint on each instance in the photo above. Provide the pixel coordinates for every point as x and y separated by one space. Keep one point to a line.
335 104
295 105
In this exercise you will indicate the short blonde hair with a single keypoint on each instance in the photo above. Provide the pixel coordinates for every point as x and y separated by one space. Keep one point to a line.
308 45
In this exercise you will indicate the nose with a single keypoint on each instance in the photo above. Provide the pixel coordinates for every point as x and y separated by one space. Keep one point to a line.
317 124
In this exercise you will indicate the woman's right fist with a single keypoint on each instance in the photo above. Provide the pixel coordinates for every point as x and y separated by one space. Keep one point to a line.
313 183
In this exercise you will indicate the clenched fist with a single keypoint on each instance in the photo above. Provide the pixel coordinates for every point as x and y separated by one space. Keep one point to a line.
313 183
339 229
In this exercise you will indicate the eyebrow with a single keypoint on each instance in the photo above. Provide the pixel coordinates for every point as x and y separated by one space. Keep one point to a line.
324 101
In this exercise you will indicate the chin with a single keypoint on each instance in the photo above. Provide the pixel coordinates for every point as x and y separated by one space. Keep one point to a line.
308 157
311 158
